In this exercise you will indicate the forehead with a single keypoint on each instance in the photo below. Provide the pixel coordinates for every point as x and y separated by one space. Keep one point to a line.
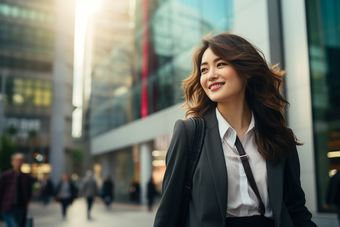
18 157
208 55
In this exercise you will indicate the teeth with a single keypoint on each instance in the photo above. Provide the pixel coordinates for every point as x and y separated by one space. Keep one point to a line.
216 85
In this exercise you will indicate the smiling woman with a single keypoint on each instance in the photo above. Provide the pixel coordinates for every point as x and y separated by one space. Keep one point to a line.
248 173
246 75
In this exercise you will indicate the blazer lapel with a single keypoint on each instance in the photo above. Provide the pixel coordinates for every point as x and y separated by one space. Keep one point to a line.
275 187
213 149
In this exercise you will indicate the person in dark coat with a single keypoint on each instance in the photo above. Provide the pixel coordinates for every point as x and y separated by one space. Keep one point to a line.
333 194
89 190
151 193
46 191
15 192
65 193
134 192
107 191
137 192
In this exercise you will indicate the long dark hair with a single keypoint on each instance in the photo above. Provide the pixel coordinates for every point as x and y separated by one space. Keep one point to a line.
264 83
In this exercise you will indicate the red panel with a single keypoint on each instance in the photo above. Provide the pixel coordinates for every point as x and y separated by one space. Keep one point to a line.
145 60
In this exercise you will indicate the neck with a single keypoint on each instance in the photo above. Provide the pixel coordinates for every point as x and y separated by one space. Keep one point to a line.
17 171
237 113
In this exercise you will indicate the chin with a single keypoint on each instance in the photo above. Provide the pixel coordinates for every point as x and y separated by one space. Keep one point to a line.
217 99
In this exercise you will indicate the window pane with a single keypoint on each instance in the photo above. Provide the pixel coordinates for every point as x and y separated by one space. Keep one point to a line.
324 54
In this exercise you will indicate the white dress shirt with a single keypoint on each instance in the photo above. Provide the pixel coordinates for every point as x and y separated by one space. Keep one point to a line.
242 200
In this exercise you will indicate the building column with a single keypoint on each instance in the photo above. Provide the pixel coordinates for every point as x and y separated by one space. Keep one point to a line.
145 150
62 81
298 92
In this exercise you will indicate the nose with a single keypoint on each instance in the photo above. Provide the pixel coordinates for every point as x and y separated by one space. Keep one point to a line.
212 75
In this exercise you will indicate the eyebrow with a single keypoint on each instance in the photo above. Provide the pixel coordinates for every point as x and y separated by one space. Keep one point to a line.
216 60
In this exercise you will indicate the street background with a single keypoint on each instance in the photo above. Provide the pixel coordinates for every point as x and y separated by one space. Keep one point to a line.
96 85
120 215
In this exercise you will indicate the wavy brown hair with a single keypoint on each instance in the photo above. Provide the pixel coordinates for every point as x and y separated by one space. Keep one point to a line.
263 85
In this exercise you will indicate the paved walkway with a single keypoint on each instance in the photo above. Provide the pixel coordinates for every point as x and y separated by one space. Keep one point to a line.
120 215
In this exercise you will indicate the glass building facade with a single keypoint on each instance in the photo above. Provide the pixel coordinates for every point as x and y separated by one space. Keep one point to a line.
27 47
140 51
28 92
27 32
323 20
142 71
23 38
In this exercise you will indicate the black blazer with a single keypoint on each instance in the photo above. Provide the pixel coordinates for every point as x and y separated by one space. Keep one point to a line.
208 205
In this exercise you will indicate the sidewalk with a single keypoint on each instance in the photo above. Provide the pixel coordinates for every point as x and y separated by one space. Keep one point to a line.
120 215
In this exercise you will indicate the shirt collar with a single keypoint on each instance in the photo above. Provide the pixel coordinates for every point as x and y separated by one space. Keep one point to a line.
227 132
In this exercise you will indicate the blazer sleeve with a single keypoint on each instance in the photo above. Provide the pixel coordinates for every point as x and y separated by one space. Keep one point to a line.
295 198
173 183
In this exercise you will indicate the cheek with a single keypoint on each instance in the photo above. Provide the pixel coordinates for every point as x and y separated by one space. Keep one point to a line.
202 81
234 78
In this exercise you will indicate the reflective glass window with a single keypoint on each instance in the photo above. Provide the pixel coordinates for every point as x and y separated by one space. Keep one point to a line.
139 70
324 53
22 91
24 38
19 12
5 9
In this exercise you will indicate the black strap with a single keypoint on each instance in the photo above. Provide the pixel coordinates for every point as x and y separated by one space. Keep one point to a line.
194 155
249 174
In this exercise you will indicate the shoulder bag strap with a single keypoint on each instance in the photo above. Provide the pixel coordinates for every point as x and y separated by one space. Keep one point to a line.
249 174
194 155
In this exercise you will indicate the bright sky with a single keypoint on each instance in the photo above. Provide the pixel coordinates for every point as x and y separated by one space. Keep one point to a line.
83 9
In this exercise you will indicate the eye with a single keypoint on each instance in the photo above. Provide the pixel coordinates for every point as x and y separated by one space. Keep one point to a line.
203 70
221 64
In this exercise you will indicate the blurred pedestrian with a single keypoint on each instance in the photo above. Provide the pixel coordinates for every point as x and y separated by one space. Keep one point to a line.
107 191
89 190
248 171
46 190
137 192
65 193
15 193
333 194
132 191
151 193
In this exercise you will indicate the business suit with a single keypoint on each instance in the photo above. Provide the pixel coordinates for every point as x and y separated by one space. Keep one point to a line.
208 206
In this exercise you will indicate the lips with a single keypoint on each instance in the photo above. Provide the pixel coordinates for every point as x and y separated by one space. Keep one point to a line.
214 86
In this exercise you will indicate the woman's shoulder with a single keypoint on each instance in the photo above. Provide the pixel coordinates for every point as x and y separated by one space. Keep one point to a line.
182 122
183 128
180 137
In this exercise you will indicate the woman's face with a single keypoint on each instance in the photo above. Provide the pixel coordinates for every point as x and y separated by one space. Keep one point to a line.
219 79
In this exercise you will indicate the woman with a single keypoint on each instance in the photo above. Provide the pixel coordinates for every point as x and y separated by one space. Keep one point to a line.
65 193
238 95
